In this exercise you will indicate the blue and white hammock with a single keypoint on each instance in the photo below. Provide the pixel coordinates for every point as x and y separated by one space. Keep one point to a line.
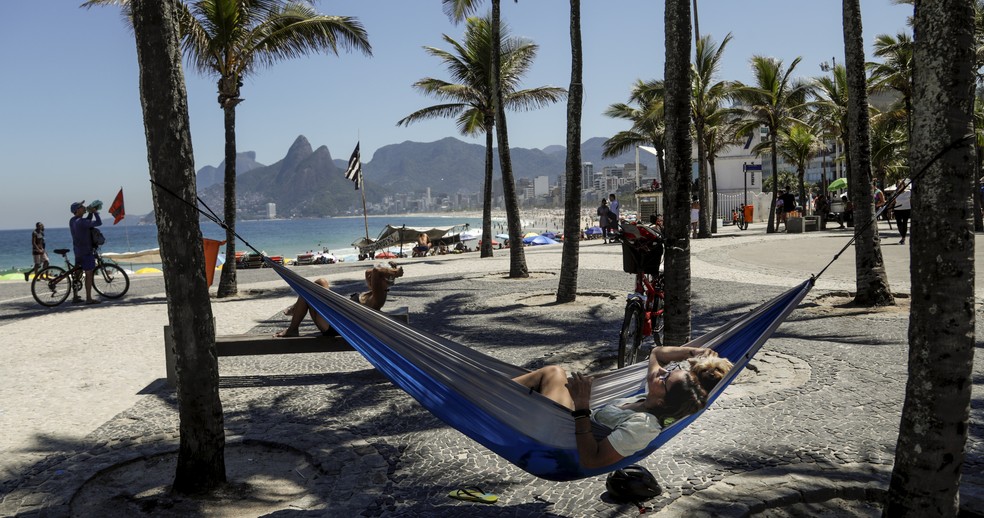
474 393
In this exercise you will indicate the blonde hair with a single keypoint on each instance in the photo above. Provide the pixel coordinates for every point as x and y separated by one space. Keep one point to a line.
709 371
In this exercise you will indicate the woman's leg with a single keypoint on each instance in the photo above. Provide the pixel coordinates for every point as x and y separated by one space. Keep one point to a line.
902 219
551 381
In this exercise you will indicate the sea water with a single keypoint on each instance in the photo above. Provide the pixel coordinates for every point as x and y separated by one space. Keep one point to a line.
287 237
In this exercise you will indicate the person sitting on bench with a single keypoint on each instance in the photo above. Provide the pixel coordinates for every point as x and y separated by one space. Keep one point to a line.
378 278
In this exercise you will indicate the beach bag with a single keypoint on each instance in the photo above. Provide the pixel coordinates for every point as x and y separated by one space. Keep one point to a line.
98 239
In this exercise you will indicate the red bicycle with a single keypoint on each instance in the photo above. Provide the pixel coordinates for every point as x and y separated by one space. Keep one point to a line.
642 254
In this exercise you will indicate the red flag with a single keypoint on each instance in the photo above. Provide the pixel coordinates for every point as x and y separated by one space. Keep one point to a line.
116 209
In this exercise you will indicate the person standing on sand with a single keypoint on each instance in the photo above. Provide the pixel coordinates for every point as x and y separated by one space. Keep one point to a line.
603 214
37 251
378 278
82 244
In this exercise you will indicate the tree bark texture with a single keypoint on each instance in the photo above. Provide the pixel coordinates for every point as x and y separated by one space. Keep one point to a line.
774 149
678 166
703 182
567 286
517 256
487 191
871 278
934 425
227 280
201 460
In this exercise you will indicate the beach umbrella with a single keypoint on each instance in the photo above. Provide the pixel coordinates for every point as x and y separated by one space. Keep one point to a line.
593 231
838 184
551 235
502 236
529 234
538 240
470 235
385 255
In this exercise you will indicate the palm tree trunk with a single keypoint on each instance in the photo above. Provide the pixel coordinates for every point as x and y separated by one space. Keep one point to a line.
871 277
517 256
801 174
934 425
487 194
773 224
714 193
201 456
678 166
227 281
978 217
567 286
704 221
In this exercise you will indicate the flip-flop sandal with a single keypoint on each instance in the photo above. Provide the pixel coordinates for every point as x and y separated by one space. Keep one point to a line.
473 494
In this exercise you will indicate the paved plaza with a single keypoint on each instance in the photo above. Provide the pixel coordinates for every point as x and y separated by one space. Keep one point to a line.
811 429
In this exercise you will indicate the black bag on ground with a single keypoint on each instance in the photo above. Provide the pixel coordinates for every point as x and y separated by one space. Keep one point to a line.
632 483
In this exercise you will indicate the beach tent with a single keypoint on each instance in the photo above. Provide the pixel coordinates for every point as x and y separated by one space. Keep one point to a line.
475 394
401 235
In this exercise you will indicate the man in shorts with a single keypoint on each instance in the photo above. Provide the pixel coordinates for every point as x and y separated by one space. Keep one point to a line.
82 244
379 278
37 250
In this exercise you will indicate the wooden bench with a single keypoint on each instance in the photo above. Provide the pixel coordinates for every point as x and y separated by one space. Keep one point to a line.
253 344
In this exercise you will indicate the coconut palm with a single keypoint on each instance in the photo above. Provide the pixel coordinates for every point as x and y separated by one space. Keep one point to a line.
201 457
798 144
706 99
829 108
775 101
468 95
231 40
458 10
567 284
677 186
645 111
889 147
871 278
894 72
720 133
933 430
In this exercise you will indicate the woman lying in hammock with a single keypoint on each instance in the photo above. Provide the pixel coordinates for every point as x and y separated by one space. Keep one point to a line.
634 421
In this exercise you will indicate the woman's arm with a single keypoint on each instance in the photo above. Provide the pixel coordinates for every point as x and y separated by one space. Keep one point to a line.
591 452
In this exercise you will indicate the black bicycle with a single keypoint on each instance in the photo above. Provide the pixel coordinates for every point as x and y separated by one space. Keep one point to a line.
52 285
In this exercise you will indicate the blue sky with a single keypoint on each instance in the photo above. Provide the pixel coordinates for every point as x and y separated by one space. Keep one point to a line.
71 129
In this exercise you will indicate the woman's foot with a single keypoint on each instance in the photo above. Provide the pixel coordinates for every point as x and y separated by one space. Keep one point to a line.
286 333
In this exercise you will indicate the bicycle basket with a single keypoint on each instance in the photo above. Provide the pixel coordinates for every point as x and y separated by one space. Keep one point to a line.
642 258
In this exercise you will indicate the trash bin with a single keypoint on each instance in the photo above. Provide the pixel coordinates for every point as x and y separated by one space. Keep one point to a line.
749 212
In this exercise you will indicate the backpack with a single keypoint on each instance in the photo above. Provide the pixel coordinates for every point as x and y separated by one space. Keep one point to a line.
98 239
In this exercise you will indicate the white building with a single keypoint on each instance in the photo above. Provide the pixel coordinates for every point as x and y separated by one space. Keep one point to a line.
271 210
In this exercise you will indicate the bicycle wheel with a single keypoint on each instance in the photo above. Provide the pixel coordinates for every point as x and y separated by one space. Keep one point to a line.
48 289
742 224
110 281
630 338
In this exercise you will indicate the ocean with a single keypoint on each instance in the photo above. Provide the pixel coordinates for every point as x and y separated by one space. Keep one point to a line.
274 237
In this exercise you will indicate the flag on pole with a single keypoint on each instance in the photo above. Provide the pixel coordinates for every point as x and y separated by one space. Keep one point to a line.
116 209
354 170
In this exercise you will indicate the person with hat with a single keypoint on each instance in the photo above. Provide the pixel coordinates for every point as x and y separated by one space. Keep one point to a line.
82 244
37 250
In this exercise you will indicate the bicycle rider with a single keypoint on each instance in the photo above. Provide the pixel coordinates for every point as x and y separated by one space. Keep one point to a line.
85 255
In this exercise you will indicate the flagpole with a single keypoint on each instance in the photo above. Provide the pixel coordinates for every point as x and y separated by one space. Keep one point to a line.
362 187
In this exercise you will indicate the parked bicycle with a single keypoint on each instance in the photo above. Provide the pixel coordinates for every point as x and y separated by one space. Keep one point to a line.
642 254
52 285
738 218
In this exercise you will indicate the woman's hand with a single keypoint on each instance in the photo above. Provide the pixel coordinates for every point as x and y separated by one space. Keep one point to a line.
579 387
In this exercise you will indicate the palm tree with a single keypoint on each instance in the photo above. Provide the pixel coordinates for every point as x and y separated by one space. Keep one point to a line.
231 39
645 111
829 113
677 107
934 425
458 10
889 146
798 144
201 456
567 285
894 73
720 133
775 101
468 95
870 276
706 99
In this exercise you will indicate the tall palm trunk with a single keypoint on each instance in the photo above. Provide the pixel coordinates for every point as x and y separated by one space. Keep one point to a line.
567 286
228 99
714 192
978 217
934 425
487 195
201 457
677 187
517 256
704 220
871 277
774 148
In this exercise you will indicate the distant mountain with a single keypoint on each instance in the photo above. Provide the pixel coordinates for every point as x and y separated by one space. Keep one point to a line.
309 182
209 176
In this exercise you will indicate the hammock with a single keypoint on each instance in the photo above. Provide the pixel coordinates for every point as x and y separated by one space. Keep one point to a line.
474 393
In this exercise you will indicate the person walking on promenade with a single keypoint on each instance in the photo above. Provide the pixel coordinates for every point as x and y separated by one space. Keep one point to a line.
902 206
694 217
603 214
613 218
378 278
37 251
82 244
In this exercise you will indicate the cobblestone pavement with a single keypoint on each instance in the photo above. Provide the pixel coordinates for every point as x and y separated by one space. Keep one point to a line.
814 424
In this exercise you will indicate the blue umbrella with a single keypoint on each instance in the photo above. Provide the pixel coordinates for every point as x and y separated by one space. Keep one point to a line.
539 240
593 231
551 235
502 236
